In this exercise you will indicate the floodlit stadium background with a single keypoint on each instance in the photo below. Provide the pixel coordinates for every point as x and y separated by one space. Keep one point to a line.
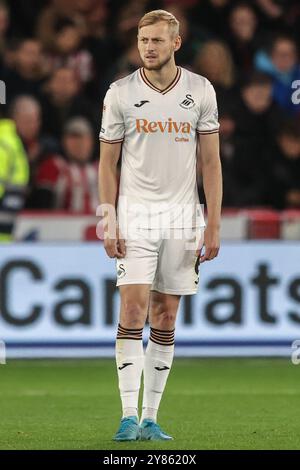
57 287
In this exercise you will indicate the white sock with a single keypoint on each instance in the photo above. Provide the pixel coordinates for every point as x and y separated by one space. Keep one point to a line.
158 361
130 362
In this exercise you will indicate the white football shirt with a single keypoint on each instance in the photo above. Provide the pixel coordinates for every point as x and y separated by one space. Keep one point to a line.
158 129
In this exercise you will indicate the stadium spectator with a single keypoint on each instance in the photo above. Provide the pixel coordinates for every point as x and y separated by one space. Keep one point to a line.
51 14
96 19
273 16
14 175
214 61
292 20
68 51
7 59
24 15
70 183
193 37
283 66
226 41
211 16
228 154
127 18
257 120
284 168
102 46
4 24
243 36
271 9
128 62
61 100
257 116
91 16
28 71
26 113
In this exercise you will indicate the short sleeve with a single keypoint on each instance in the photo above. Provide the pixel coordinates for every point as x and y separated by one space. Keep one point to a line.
112 126
208 121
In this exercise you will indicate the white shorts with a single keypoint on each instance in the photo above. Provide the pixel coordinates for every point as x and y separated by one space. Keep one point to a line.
169 265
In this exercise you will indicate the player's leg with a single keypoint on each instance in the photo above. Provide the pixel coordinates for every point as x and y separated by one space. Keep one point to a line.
158 359
129 344
160 350
136 272
130 355
176 275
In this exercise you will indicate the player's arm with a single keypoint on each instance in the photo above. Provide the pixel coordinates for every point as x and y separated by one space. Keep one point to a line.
208 135
108 188
212 184
111 138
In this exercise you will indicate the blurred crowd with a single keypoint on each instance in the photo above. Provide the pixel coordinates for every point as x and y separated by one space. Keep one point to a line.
57 58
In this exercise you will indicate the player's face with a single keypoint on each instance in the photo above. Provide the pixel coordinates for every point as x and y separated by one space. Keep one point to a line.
157 45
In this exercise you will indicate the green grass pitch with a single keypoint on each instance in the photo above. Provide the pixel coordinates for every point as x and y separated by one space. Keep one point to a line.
208 404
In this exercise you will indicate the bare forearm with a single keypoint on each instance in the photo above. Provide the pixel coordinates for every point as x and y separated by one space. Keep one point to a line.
108 194
108 181
108 186
212 183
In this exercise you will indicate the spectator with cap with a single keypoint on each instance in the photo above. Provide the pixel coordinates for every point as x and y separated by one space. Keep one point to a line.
69 182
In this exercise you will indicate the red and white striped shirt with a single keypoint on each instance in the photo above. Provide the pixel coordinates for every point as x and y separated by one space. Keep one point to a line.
75 186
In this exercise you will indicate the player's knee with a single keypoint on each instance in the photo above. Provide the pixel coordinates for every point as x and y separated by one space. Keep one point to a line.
165 320
133 314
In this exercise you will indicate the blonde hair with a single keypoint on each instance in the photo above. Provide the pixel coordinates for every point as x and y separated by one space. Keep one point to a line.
155 16
214 61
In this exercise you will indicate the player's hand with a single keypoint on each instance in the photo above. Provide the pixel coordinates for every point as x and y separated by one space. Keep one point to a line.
211 244
115 247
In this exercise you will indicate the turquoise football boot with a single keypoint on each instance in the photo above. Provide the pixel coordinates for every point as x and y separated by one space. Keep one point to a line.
128 430
151 431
